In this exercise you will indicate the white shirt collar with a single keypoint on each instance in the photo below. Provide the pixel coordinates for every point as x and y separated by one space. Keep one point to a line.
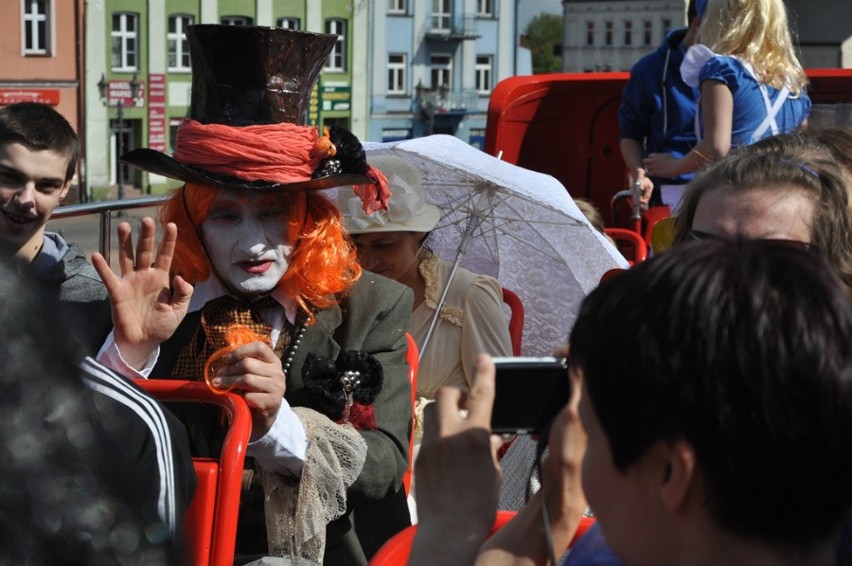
211 288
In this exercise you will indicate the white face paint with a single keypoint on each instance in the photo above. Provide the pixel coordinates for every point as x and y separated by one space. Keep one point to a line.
246 237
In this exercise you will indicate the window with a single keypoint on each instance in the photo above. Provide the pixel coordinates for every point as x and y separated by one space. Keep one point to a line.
477 138
36 27
398 7
289 23
647 33
667 26
178 44
483 74
607 33
628 33
396 73
590 33
441 12
236 21
337 58
441 69
396 134
125 41
485 8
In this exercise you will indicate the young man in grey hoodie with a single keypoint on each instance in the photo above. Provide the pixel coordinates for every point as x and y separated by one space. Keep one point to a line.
38 157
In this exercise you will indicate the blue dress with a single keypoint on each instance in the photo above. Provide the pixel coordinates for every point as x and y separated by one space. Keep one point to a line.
760 110
749 105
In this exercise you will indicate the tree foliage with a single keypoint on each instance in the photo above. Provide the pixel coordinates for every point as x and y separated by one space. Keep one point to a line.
543 37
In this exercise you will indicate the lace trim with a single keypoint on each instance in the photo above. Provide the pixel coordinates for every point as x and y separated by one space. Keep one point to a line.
429 270
297 511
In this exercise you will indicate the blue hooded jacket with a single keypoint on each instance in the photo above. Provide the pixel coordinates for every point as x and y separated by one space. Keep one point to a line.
657 107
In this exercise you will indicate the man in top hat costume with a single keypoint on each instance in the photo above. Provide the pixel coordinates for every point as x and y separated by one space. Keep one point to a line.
318 351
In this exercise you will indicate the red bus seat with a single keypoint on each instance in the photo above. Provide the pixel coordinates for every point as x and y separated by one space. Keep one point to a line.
397 550
210 524
412 356
629 243
516 319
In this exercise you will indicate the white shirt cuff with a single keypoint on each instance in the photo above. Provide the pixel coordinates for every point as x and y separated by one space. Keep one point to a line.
110 356
283 449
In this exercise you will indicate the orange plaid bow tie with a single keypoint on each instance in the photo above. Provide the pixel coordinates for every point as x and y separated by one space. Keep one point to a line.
216 316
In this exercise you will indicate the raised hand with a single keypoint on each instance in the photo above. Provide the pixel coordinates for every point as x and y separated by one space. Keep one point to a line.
145 309
457 474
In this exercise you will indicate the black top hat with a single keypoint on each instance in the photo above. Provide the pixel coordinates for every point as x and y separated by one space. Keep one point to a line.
255 76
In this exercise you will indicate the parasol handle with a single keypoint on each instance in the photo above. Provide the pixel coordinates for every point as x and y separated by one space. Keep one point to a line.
637 203
439 305
464 244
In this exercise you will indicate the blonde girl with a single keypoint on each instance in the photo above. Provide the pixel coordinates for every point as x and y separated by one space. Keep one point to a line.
752 84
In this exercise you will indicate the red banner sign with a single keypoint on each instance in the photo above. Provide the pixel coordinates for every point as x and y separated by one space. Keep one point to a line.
40 95
157 112
120 91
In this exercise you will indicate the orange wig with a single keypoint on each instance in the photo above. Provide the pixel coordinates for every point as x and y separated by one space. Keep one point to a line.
324 263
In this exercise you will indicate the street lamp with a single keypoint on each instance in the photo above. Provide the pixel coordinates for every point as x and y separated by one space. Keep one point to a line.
103 89
427 104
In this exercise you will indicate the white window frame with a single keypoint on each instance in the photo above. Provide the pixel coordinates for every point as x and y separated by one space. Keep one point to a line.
590 33
125 42
628 33
33 14
441 70
398 7
397 73
483 71
235 20
485 8
442 14
291 23
336 61
178 44
609 32
647 32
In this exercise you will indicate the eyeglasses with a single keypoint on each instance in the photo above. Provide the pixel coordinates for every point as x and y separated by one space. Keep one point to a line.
697 236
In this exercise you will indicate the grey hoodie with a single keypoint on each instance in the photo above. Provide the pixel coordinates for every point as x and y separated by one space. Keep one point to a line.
65 272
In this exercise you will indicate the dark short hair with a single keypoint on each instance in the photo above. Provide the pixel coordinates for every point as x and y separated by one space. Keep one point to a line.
799 161
743 350
39 126
691 12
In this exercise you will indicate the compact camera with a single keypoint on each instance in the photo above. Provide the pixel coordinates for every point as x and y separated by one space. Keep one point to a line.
529 392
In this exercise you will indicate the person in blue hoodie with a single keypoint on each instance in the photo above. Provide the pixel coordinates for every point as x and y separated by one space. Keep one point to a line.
657 112
38 157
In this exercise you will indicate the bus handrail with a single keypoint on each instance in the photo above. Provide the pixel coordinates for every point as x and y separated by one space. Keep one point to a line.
105 209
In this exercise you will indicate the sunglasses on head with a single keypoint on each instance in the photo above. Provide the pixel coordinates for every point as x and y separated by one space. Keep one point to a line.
697 236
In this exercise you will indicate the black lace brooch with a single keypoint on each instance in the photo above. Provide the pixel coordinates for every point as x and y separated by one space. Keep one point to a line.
345 389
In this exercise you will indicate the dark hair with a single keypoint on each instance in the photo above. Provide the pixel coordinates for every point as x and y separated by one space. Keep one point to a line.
838 141
797 161
743 350
691 12
39 126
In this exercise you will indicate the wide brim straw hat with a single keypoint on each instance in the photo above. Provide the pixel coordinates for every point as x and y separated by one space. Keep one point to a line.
407 209
256 76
